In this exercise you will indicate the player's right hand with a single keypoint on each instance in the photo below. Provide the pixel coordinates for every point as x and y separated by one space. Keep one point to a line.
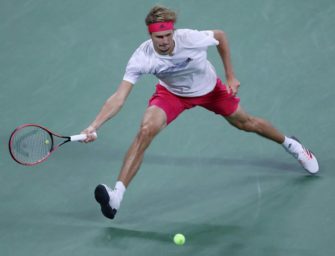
91 134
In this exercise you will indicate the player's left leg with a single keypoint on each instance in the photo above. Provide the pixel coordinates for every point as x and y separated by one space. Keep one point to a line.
243 121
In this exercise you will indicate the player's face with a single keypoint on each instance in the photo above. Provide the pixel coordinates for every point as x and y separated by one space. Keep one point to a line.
163 41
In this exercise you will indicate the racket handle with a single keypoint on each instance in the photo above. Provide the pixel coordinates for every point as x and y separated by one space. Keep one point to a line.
81 137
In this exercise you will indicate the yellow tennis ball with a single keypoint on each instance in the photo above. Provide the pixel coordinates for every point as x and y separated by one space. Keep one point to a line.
47 142
179 239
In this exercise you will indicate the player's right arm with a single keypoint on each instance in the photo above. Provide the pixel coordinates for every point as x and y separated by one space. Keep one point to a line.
110 108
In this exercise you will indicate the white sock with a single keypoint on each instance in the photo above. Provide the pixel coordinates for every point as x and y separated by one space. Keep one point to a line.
116 195
119 190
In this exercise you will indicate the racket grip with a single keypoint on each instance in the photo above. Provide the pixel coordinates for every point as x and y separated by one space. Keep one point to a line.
81 137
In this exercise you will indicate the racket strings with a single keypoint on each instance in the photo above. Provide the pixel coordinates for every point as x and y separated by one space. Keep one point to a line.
31 144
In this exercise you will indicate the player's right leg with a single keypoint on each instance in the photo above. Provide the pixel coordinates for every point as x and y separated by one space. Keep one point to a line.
153 122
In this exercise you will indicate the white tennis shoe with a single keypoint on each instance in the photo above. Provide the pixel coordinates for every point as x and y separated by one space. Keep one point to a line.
304 156
107 199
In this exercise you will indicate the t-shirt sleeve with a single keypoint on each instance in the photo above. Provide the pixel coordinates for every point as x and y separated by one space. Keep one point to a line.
209 33
133 70
196 38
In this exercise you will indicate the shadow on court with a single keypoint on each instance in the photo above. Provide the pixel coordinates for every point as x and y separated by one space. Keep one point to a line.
168 160
196 234
240 230
214 161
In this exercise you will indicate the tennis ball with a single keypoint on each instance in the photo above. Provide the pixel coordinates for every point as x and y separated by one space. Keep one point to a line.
47 142
179 239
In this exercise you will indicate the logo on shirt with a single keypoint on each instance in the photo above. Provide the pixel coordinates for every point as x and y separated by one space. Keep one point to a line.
178 66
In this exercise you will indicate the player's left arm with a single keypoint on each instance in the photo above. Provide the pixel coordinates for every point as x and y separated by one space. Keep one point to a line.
224 51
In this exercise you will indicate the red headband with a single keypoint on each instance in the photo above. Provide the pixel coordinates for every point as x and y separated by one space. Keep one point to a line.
160 26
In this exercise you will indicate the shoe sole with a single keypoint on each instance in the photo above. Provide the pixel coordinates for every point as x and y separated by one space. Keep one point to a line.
102 197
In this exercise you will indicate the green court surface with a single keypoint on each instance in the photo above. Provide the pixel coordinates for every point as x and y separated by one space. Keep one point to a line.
230 193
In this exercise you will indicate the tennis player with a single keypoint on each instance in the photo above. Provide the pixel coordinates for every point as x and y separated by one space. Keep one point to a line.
186 79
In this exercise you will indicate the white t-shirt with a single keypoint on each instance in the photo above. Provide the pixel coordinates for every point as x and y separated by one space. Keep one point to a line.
187 72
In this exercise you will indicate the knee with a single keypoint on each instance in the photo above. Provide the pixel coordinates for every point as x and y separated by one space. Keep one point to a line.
148 131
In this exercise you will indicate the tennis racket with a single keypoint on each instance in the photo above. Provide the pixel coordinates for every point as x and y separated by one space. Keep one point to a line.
31 144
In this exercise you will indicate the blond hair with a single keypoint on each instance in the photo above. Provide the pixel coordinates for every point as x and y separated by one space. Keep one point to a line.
159 13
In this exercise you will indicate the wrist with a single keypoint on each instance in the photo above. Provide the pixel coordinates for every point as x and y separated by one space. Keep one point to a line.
230 76
94 126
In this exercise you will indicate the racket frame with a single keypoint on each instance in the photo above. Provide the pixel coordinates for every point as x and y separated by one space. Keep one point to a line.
54 147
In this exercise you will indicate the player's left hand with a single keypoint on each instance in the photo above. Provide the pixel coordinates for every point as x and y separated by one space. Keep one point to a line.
232 86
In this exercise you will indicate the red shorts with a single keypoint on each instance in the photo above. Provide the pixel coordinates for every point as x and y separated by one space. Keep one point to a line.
218 101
